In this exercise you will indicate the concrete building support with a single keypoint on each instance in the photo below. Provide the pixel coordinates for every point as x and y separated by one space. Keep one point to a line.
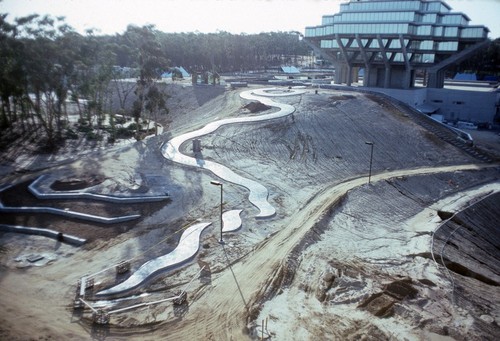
347 65
436 79
407 83
355 74
338 73
366 60
367 76
348 73
387 75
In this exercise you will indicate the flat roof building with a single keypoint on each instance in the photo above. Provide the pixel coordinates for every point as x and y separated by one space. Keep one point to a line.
391 39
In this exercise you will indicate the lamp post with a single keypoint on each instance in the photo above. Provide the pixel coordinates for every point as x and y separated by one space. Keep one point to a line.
217 183
371 159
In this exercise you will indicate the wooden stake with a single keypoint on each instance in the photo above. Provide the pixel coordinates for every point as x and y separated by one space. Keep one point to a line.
262 337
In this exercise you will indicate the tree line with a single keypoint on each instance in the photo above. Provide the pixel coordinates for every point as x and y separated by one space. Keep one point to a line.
47 65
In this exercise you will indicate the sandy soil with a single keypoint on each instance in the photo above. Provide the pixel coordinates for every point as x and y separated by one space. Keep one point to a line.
340 260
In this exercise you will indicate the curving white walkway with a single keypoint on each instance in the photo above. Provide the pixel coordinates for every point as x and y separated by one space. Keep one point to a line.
258 193
232 220
187 248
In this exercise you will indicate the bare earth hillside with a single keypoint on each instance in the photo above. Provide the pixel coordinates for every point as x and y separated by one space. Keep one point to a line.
411 256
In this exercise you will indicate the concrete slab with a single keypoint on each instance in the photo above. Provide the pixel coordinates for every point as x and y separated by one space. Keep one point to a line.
188 246
232 220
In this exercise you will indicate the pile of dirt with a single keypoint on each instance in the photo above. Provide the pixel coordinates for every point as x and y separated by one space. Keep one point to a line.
254 107
382 304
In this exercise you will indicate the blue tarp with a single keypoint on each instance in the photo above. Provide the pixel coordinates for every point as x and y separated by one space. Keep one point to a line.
290 69
183 72
465 77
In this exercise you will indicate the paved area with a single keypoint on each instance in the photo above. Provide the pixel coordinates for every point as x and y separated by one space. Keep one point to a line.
187 248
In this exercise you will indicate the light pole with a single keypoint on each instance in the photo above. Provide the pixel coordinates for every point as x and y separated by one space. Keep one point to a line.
217 183
371 159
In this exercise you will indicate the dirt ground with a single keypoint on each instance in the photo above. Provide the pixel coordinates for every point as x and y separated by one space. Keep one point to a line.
341 259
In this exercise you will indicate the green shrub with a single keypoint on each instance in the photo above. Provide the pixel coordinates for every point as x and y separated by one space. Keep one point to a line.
124 133
83 121
71 135
133 126
91 135
84 129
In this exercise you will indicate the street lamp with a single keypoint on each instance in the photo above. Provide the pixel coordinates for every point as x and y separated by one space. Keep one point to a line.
371 159
217 183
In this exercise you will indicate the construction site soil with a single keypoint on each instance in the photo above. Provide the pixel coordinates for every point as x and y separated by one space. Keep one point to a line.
412 255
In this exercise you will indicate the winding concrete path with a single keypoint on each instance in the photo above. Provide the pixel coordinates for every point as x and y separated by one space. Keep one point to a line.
187 248
258 193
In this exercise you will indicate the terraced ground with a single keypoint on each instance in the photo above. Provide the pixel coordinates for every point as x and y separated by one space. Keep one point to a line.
340 260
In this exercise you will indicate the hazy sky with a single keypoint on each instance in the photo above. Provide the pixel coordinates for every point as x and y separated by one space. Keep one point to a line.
235 16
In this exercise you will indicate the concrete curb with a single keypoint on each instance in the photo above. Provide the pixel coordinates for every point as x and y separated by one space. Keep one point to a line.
64 238
68 214
35 189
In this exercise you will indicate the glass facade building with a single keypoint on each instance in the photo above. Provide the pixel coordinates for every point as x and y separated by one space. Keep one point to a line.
392 38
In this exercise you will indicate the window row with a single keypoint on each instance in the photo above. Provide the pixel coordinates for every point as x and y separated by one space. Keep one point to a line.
454 19
374 16
419 30
433 45
367 29
394 44
398 57
366 17
380 6
474 32
417 5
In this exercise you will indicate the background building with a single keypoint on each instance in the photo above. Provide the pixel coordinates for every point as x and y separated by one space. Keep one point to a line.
392 40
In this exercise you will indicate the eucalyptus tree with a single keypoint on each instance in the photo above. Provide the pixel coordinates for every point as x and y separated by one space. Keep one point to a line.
151 62
10 72
94 74
48 66
156 104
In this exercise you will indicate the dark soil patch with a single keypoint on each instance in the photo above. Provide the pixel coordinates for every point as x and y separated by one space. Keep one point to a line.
76 184
254 107
341 97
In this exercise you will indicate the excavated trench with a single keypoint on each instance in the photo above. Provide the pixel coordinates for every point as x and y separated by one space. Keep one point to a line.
468 243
